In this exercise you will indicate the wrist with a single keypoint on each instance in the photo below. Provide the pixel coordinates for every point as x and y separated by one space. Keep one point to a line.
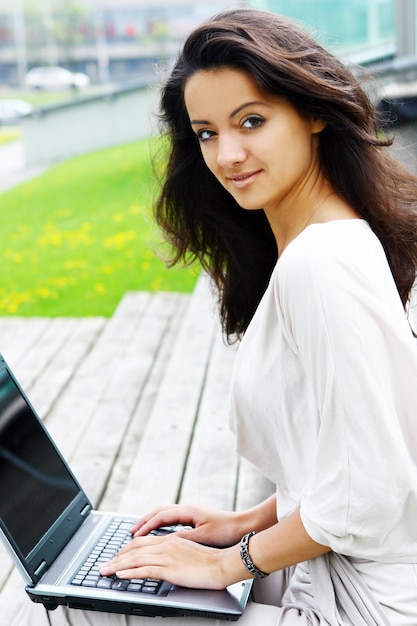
243 521
247 559
231 567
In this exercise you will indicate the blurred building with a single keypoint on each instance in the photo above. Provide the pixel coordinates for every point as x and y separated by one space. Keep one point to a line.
107 39
122 39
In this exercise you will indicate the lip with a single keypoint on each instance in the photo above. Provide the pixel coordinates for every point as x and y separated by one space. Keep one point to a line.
245 179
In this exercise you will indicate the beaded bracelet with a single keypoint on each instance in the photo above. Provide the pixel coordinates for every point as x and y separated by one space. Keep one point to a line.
247 561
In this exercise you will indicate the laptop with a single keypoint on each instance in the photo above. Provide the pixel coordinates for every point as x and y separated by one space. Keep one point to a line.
57 541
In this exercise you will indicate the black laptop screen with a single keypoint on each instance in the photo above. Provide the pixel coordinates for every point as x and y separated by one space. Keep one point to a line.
34 481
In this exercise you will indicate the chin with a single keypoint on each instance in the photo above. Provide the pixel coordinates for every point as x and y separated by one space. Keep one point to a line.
249 207
246 205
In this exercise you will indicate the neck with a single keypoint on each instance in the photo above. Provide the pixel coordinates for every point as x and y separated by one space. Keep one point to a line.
293 217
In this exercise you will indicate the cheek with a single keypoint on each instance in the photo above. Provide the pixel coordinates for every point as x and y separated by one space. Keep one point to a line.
295 153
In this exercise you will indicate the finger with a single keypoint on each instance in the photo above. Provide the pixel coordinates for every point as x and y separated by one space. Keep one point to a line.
140 543
166 517
139 554
199 535
158 573
145 519
144 550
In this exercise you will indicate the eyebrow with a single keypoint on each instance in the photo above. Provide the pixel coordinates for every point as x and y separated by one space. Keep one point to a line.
233 113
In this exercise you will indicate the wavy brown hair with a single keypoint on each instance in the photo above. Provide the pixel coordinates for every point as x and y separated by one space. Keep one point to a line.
202 221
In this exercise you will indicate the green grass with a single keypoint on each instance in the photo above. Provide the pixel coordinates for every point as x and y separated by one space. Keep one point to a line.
75 239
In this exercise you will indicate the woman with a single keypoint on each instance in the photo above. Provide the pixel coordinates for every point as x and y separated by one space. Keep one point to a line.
280 184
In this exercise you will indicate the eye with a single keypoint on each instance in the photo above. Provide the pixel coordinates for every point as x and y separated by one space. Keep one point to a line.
205 135
253 121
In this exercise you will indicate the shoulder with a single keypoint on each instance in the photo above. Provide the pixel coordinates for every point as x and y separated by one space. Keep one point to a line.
338 239
329 249
336 263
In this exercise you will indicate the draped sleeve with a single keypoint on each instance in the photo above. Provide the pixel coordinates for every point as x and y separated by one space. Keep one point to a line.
344 319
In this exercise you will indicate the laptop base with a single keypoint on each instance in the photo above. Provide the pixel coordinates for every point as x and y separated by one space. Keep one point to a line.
126 608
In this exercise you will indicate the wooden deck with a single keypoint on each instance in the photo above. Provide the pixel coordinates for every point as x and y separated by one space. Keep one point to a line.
137 404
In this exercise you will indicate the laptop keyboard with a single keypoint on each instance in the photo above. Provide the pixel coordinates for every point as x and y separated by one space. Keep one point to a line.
115 537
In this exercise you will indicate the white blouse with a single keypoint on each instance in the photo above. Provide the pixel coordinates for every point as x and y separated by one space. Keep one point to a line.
324 394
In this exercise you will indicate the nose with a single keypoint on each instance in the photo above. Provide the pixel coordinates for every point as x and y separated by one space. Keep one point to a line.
230 151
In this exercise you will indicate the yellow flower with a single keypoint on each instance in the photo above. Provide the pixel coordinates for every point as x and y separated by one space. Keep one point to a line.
15 257
100 288
157 282
54 237
119 240
46 293
134 209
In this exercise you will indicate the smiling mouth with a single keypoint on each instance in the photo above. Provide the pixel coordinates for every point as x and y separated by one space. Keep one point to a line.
243 180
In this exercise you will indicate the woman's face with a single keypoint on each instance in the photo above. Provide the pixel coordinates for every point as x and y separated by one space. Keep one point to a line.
257 145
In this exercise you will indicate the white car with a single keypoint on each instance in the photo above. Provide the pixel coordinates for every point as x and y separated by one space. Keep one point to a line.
12 110
49 77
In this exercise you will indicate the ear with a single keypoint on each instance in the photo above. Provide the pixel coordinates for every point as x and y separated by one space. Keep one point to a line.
317 125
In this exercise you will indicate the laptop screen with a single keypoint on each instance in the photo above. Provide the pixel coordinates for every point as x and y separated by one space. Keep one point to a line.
35 484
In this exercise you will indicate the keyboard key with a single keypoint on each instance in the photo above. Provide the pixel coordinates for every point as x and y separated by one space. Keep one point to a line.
89 583
120 585
149 589
116 536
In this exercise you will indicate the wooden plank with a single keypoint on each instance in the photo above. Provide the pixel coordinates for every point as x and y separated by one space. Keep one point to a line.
94 457
117 482
43 349
58 370
26 332
8 328
157 469
70 417
210 476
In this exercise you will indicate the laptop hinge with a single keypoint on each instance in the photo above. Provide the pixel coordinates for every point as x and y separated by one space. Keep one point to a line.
39 572
86 510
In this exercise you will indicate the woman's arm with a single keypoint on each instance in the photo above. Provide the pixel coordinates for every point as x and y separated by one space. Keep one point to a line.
275 548
184 562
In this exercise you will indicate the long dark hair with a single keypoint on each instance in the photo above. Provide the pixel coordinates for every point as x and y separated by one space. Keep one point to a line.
200 218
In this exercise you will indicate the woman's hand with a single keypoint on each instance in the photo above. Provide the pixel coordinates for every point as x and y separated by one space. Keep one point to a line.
172 558
209 527
180 561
